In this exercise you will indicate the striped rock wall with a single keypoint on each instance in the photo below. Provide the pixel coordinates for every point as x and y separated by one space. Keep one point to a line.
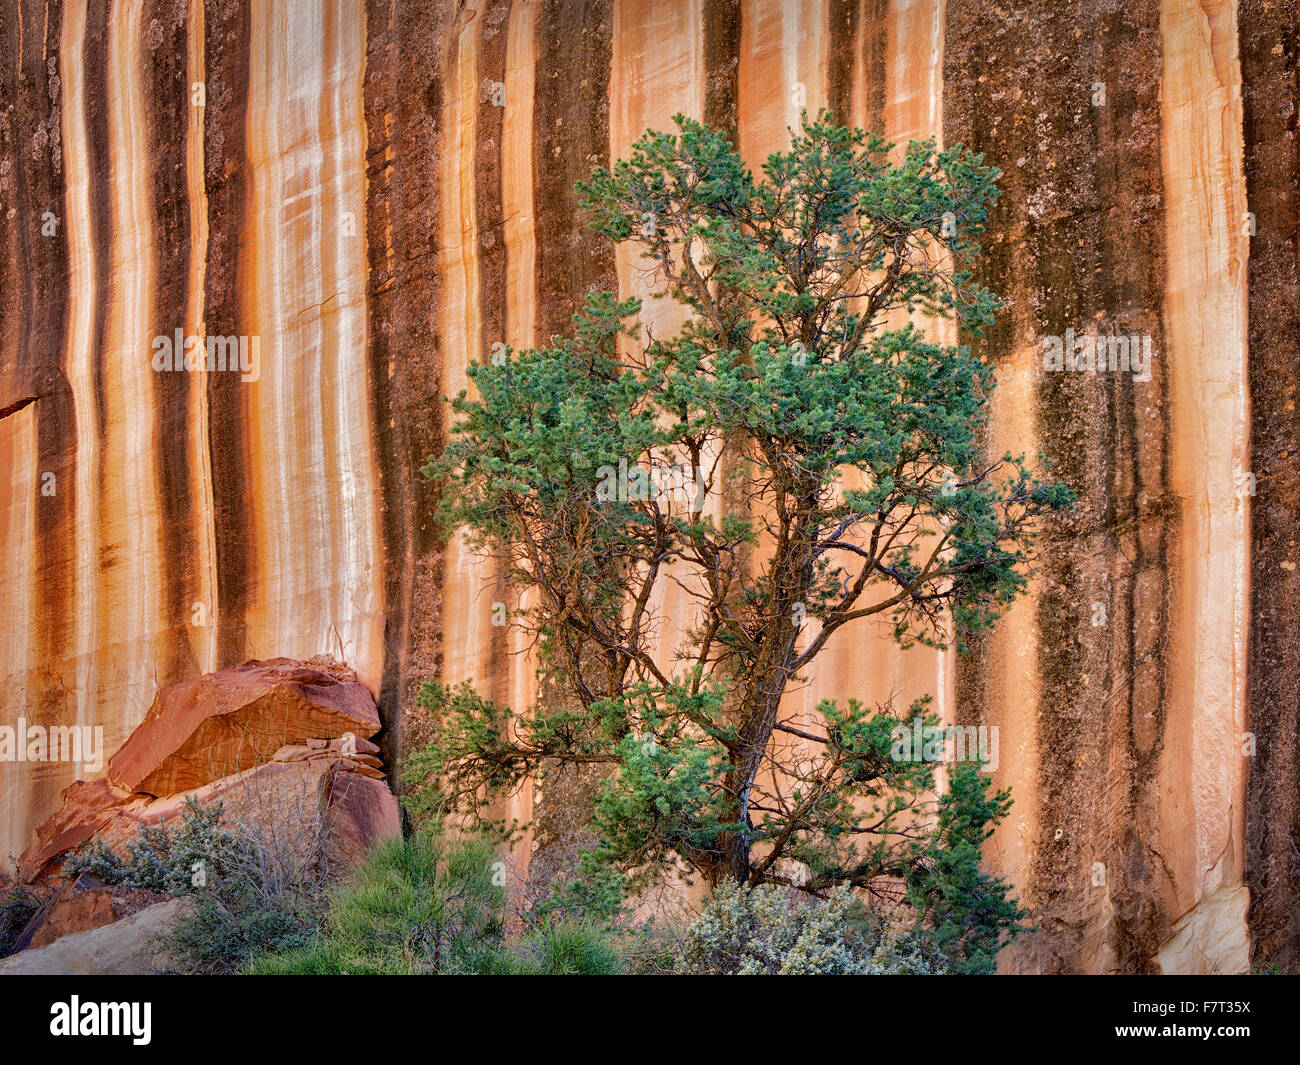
373 192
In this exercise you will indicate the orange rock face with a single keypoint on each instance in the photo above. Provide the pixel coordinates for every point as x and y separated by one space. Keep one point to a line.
379 191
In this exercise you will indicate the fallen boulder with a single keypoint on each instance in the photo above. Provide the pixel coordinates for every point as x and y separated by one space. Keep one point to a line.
201 730
324 808
321 787
124 948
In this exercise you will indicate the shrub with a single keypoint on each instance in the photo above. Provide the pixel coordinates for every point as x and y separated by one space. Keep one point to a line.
560 948
419 905
17 908
166 858
770 931
234 921
432 905
258 883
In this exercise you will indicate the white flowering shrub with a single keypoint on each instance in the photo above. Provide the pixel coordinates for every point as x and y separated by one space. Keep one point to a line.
774 931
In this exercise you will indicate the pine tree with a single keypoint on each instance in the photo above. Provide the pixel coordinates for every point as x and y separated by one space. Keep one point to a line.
797 456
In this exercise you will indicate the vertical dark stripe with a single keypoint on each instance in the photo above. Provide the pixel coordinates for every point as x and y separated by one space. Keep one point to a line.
227 178
45 325
1267 36
13 389
403 108
843 58
99 169
722 34
571 117
722 65
165 53
489 125
1101 707
571 124
873 30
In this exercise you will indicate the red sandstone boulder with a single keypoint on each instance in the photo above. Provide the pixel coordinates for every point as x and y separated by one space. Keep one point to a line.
211 727
84 904
324 805
320 802
361 811
302 769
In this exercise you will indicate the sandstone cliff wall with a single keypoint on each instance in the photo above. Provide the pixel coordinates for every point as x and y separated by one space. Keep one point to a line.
376 191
